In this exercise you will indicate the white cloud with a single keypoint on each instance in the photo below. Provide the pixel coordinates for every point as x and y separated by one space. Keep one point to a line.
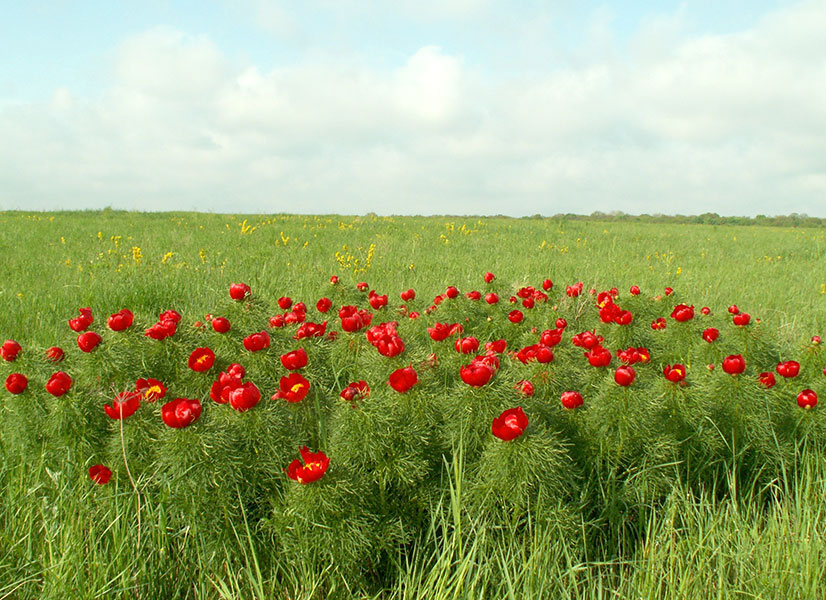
726 123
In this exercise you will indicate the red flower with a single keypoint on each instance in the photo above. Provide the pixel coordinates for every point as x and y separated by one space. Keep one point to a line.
87 341
711 334
574 290
239 291
474 295
170 315
492 298
807 399
561 323
476 374
9 350
515 316
16 383
201 359
571 399
547 285
599 356
705 310
181 412
100 474
467 345
525 388
285 302
309 329
354 319
788 369
733 309
377 301
510 424
403 379
658 324
451 292
741 319
58 384
82 322
816 340
293 388
498 346
586 339
294 360
358 390
245 396
277 321
625 375
315 465
54 354
734 364
767 379
151 389
635 290
323 305
124 405
162 329
121 320
674 374
257 341
221 324
668 291
333 279
551 337
683 313
362 285
489 277
408 295
441 331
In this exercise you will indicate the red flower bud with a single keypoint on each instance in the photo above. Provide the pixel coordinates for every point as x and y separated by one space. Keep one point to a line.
510 424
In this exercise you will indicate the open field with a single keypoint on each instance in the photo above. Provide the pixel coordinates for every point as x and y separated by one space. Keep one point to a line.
714 489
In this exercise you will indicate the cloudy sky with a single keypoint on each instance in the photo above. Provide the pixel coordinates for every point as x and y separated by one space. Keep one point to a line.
428 107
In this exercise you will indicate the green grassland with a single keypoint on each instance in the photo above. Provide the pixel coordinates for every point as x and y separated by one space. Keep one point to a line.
745 519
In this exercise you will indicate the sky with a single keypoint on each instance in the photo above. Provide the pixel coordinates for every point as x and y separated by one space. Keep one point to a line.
473 107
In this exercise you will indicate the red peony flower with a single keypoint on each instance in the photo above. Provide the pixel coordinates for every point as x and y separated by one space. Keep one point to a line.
467 345
181 412
285 302
476 374
734 364
221 324
9 350
733 309
510 424
683 313
492 298
314 467
587 339
58 384
257 341
547 285
489 277
247 395
323 305
121 320
358 390
525 388
403 379
82 322
711 334
625 375
54 354
124 405
297 359
293 388
675 373
474 295
599 356
100 474
668 291
561 323
741 319
354 319
162 329
277 321
788 369
88 341
658 324
201 359
635 290
705 310
16 383
150 389
239 291
571 399
333 279
807 399
515 316
816 340
170 315
767 379
498 346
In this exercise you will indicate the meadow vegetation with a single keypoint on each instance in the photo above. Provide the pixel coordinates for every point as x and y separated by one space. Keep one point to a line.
704 484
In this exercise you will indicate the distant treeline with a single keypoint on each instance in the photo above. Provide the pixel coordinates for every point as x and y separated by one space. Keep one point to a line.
792 220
